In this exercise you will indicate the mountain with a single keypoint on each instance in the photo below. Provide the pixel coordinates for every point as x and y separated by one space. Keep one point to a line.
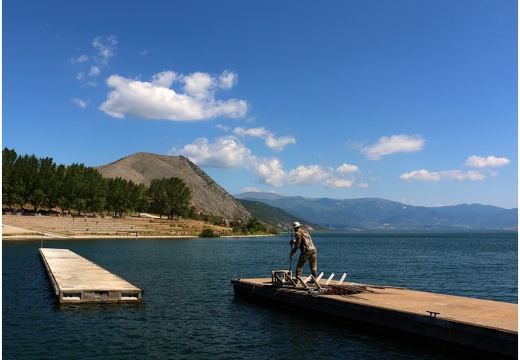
379 214
207 195
366 214
275 216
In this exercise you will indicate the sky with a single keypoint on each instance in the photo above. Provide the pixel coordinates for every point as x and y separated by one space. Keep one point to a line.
407 100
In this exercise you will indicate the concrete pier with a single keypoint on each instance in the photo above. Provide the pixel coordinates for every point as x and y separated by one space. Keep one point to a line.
484 326
78 280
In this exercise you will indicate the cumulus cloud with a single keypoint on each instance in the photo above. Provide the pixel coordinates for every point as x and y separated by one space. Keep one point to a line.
164 78
334 183
227 79
347 169
307 175
156 100
226 152
230 153
269 170
393 144
455 175
490 161
274 143
339 178
459 175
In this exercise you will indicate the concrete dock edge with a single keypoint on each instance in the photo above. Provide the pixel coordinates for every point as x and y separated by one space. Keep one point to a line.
494 340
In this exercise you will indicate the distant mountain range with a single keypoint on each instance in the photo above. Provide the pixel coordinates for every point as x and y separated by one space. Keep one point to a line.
373 214
275 216
366 214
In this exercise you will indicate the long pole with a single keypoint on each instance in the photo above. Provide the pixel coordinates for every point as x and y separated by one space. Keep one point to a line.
290 261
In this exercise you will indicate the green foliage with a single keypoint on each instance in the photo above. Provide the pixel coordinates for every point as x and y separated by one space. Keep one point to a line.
40 182
118 196
169 197
252 227
208 233
10 193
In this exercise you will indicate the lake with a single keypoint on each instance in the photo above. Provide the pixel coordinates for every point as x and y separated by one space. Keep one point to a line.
189 310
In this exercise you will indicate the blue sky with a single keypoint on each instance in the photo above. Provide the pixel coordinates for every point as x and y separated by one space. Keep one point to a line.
408 100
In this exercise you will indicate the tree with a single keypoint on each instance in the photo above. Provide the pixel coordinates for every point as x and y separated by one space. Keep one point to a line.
72 188
40 182
118 196
10 195
158 197
55 196
139 198
179 196
95 190
44 183
169 196
26 178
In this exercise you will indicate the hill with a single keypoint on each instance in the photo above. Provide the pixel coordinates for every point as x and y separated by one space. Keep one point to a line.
275 216
380 215
207 195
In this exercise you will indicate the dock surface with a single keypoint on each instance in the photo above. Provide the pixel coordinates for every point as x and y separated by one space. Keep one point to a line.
78 280
482 325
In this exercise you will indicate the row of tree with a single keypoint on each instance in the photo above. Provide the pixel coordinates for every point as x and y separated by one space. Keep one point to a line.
43 184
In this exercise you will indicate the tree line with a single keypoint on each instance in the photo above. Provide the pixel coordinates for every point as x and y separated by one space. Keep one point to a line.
42 183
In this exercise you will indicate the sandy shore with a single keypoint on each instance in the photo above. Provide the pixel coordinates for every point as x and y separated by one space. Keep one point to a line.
18 227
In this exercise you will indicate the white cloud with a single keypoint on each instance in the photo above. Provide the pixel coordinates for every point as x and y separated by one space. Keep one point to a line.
274 143
199 85
251 189
490 161
459 175
224 128
80 103
230 153
268 170
155 100
227 79
393 144
347 169
339 180
278 143
79 59
456 175
164 79
105 47
253 132
307 175
226 152
335 182
94 70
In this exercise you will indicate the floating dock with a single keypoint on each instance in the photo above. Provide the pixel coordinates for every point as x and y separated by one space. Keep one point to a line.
481 326
78 280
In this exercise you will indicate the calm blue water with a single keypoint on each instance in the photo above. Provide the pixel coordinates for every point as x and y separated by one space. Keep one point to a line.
189 310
